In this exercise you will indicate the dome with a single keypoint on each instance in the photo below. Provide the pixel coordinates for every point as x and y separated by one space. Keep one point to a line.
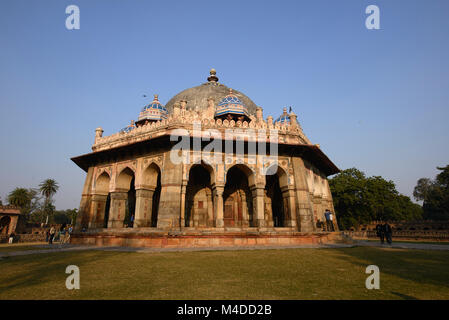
154 111
198 96
128 128
285 117
231 104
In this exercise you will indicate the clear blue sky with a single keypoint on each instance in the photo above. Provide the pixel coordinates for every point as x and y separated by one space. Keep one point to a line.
377 100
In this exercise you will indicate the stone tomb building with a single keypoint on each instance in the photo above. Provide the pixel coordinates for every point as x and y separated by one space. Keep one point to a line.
136 194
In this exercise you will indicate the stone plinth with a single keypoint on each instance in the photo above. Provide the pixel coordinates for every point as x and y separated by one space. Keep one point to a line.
152 238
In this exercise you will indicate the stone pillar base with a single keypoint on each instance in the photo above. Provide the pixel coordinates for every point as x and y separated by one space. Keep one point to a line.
260 223
141 223
219 223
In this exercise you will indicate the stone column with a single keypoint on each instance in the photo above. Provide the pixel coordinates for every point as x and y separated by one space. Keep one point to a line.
317 205
268 211
117 210
98 207
245 216
85 202
218 205
304 213
183 204
331 204
210 209
258 192
169 213
144 205
289 198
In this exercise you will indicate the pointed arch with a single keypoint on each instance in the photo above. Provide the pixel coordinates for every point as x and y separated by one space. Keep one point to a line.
199 201
249 173
102 184
125 184
238 197
150 175
276 193
124 178
5 223
210 170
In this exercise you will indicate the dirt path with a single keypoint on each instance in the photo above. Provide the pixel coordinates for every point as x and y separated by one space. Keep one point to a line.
69 247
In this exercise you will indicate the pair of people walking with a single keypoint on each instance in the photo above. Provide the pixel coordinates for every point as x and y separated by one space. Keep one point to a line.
384 232
329 220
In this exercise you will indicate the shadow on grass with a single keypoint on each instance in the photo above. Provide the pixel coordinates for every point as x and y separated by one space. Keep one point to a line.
425 267
404 296
43 268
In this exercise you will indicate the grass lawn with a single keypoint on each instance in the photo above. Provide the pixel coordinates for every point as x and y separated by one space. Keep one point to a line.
246 274
20 246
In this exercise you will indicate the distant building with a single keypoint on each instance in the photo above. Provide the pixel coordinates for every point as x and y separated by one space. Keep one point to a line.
9 216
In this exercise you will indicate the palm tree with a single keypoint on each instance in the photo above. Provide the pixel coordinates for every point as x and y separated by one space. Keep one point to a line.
48 188
19 197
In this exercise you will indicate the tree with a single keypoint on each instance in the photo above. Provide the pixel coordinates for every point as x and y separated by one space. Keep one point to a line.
422 189
48 188
27 200
19 197
64 216
359 199
435 195
349 194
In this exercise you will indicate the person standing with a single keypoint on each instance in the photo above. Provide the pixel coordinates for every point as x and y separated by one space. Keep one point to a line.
388 232
69 233
331 220
326 216
380 232
52 234
11 238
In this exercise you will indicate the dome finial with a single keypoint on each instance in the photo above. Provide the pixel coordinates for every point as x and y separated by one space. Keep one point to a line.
212 77
156 97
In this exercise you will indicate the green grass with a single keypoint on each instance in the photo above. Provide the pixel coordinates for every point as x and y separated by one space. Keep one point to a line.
412 241
4 248
246 274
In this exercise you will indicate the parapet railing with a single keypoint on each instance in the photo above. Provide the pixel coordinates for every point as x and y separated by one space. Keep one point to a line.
154 129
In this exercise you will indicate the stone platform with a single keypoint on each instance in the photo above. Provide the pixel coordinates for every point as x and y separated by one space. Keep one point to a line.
153 238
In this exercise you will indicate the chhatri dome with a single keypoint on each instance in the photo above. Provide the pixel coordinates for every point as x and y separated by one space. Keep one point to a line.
154 111
285 118
231 105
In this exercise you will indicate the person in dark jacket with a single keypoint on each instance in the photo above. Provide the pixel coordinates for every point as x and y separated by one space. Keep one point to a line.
380 233
388 232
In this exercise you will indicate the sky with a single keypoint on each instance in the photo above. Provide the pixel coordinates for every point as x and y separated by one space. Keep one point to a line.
377 100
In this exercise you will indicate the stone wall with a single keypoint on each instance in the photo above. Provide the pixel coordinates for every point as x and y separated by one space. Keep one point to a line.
434 235
157 239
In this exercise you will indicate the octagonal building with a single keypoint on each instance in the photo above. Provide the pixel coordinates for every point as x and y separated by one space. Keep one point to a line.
205 169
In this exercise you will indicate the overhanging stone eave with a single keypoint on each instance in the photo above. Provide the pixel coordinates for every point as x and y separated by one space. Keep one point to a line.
314 154
308 151
86 160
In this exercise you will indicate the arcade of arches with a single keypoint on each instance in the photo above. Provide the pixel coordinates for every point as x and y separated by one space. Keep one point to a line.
244 199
